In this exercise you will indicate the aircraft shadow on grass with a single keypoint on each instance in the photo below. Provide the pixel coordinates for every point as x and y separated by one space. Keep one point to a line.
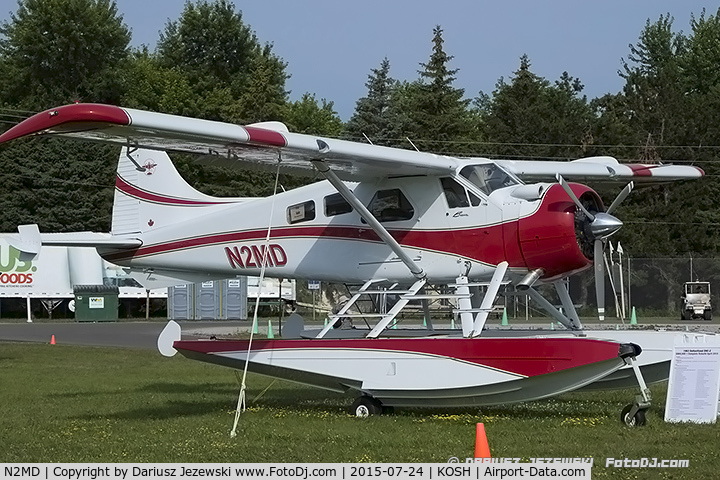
164 411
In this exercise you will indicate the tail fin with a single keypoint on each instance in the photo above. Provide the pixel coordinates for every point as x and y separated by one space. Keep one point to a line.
150 193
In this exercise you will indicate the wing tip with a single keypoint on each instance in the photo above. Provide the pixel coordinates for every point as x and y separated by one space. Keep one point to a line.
63 117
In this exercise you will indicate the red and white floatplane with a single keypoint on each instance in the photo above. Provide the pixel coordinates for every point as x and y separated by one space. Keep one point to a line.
391 218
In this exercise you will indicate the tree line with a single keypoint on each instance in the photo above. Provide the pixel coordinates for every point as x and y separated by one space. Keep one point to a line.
208 63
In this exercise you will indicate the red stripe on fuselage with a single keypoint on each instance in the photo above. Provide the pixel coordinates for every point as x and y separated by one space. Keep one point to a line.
490 251
522 356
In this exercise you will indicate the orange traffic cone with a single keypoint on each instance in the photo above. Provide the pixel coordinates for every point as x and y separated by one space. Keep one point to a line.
52 340
482 449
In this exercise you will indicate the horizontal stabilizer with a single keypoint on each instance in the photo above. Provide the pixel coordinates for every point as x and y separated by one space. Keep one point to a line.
30 240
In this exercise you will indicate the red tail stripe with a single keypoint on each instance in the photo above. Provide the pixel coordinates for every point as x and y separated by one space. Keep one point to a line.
136 192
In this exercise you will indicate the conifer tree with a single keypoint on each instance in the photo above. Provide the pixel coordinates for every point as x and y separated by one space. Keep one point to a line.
439 117
372 117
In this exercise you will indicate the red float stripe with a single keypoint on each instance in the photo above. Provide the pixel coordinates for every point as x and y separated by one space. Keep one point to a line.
521 356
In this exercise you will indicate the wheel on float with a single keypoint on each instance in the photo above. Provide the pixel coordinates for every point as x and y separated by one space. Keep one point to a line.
365 406
635 421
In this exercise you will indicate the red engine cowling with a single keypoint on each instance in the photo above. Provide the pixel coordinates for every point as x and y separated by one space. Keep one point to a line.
556 237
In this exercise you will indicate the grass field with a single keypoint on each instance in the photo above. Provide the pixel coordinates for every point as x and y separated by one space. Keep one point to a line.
83 404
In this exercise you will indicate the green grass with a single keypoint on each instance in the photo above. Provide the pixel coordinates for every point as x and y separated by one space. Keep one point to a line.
82 404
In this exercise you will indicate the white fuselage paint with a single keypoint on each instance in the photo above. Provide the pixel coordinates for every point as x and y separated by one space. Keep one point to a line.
312 254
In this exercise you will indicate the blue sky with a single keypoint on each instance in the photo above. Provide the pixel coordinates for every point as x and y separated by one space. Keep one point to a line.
330 45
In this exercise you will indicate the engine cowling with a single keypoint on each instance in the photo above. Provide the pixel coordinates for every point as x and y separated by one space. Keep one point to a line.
557 237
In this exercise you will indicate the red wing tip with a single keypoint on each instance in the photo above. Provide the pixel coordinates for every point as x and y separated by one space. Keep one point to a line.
86 113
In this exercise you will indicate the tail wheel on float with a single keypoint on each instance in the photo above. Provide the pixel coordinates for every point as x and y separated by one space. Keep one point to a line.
365 406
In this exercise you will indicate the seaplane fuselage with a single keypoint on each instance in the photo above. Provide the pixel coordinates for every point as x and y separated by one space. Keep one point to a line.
447 225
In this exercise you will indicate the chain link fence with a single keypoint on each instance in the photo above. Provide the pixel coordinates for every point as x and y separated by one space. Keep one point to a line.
653 286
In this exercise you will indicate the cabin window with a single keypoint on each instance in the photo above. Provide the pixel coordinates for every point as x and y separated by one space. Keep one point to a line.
488 177
302 212
335 204
455 193
391 206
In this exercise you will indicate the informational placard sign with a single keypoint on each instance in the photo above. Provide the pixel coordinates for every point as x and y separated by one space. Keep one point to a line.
313 284
694 383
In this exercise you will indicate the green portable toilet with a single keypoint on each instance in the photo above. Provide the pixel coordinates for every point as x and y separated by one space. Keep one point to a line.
96 303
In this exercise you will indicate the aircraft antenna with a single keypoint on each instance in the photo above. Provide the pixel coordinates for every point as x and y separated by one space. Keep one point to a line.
411 143
366 138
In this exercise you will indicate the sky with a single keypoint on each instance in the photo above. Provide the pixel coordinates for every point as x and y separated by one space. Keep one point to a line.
331 46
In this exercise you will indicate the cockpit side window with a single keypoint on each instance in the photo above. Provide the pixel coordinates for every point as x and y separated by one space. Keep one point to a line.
488 177
391 206
302 212
335 204
455 193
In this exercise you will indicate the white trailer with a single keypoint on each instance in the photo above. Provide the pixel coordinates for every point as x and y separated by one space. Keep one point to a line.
52 275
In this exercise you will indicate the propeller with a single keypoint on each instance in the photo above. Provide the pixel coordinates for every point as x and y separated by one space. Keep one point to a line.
601 226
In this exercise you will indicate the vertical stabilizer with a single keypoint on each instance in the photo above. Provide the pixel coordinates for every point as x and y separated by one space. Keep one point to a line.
150 194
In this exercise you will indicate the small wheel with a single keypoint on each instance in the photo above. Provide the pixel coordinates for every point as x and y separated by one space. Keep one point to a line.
688 314
637 421
365 406
708 315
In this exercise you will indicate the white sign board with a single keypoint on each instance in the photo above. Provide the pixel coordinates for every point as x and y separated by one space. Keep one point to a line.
694 383
96 302
313 284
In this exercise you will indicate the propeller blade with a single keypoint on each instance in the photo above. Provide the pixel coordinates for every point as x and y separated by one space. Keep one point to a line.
599 278
571 194
621 196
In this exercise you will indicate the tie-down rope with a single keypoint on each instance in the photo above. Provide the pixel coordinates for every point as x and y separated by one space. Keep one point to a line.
241 405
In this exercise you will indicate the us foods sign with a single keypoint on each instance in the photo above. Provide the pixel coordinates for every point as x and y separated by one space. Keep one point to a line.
14 272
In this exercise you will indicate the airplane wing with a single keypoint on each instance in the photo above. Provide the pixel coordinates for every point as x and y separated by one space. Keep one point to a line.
228 144
262 144
599 169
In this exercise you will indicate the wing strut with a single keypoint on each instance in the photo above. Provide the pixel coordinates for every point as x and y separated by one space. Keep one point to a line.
370 219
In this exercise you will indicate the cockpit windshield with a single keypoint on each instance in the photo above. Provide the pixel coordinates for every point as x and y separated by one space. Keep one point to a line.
488 177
